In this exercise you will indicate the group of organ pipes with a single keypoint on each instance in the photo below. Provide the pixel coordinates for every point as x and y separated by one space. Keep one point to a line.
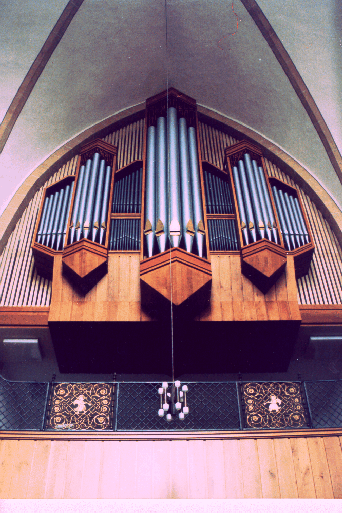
175 213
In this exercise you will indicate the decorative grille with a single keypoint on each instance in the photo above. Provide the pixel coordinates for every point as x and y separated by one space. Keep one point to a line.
22 405
211 406
273 405
325 403
81 406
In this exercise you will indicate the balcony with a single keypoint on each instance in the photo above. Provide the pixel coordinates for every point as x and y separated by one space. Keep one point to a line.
133 406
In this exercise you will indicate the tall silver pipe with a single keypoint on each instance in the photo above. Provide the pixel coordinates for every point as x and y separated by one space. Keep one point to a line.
196 191
283 225
150 221
89 204
267 198
57 217
98 200
162 210
52 217
260 222
47 219
296 229
297 221
301 220
247 202
174 182
105 200
64 217
187 211
43 220
262 192
241 205
287 218
76 206
83 199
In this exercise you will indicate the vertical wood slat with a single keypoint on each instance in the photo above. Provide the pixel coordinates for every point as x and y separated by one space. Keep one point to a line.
302 466
246 468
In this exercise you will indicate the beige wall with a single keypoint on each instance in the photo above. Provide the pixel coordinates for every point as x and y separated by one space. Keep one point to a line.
279 467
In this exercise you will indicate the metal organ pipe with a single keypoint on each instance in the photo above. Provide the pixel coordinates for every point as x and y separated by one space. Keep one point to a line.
150 224
187 212
196 191
173 175
98 200
241 205
173 191
64 217
260 224
262 193
105 200
267 199
161 181
83 197
52 217
295 228
76 206
283 225
247 201
90 196
57 217
44 219
301 220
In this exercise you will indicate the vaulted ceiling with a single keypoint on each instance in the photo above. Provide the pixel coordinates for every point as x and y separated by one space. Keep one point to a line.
116 53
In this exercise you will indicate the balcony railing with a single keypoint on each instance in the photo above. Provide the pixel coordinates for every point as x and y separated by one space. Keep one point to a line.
133 406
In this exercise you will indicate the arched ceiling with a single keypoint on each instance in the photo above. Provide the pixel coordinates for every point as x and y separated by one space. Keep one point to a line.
116 53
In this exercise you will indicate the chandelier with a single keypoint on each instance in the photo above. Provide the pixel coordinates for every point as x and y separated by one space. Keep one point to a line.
173 401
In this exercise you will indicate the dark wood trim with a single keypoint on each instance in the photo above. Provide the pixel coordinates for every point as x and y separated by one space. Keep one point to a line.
24 316
321 314
297 83
36 70
123 215
162 435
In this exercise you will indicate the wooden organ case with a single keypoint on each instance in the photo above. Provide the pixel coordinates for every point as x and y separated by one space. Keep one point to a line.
172 253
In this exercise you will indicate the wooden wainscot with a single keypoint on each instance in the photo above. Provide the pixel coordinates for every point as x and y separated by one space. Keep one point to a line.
175 277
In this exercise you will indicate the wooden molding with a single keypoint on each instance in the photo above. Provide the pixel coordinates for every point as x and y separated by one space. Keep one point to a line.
169 435
321 314
24 316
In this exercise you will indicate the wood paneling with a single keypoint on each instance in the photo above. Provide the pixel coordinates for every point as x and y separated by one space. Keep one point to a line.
288 467
116 297
235 298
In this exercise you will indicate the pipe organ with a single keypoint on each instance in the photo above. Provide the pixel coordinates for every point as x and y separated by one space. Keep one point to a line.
217 241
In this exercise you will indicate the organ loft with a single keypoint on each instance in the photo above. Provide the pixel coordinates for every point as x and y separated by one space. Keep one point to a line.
171 273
